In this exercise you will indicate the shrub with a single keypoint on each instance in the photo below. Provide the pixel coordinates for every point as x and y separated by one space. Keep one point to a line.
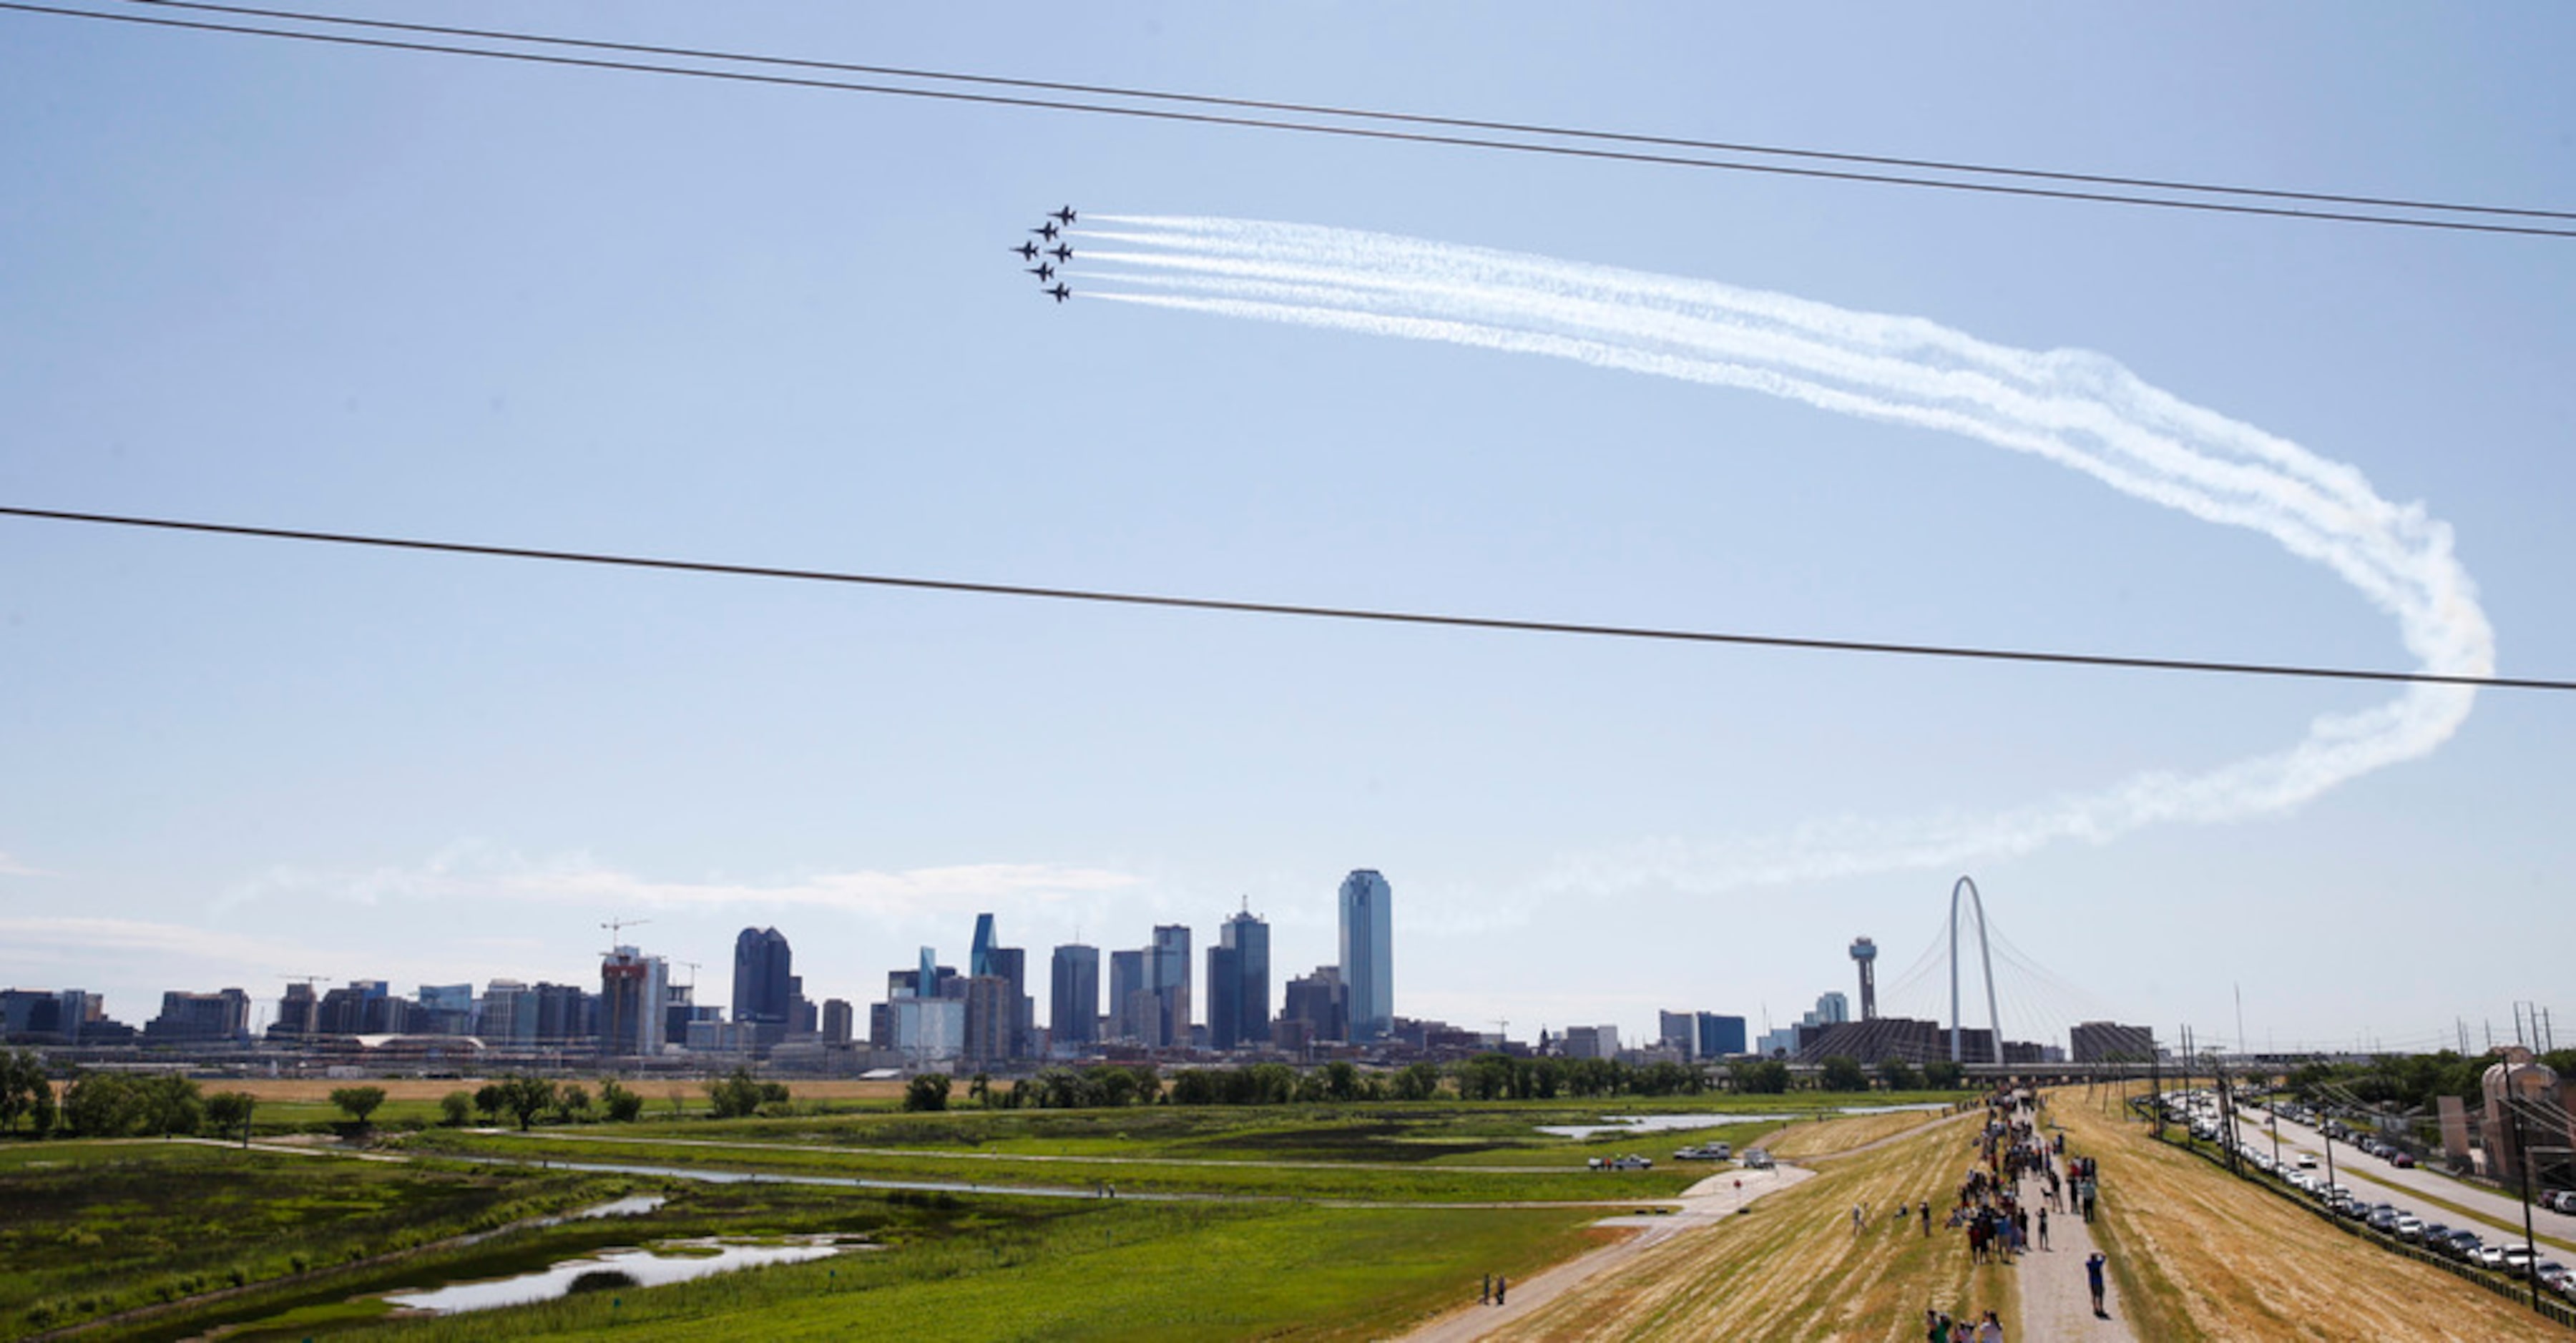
929 1091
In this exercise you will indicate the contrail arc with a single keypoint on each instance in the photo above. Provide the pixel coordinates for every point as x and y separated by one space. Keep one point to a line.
2078 409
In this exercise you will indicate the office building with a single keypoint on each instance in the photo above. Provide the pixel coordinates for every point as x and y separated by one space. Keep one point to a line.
200 1018
1073 995
837 1021
1320 1005
1126 990
1368 954
991 1010
1591 1042
1719 1036
632 987
1678 1030
764 986
1238 984
2111 1042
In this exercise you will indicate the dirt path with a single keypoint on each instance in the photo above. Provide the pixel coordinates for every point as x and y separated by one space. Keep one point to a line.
1711 1200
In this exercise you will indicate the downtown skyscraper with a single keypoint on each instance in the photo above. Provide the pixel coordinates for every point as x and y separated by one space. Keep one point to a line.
1368 954
1238 984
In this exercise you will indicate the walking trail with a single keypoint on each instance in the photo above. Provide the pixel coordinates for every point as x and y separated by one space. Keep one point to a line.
1710 1201
2056 1298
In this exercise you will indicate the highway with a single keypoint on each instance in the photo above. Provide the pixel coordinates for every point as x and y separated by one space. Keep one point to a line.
2498 1218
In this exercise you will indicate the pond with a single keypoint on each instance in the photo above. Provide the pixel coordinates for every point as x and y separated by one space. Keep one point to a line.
1669 1122
645 1268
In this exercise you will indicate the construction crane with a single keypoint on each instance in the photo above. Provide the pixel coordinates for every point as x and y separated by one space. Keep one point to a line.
616 926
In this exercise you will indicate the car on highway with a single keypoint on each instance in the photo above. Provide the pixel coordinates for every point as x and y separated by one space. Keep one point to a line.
2307 1161
2552 1274
2516 1259
2401 1160
2488 1256
2430 1235
2382 1217
2460 1244
2406 1226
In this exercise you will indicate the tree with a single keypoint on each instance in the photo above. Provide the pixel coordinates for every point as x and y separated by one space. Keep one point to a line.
490 1099
358 1102
622 1105
526 1096
1417 1082
1943 1075
1760 1077
1341 1081
979 1089
734 1096
228 1113
455 1108
1898 1075
1841 1072
572 1101
929 1091
22 1076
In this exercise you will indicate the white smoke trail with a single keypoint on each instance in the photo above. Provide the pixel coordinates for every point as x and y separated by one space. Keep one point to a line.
2075 408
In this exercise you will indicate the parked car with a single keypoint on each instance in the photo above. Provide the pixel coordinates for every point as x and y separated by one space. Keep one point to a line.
2401 1160
2461 1245
1629 1162
2407 1226
1756 1158
2515 1259
2488 1256
1713 1151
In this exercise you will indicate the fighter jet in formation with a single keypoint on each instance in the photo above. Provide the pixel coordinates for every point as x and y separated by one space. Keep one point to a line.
1049 225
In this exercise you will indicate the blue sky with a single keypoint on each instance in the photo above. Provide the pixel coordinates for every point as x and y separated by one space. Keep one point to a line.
277 284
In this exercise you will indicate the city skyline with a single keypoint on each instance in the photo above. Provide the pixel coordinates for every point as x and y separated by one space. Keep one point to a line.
306 286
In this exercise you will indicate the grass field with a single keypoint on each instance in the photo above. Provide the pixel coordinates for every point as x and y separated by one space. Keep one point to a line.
87 1228
1842 1135
1094 1271
1792 1267
2200 1254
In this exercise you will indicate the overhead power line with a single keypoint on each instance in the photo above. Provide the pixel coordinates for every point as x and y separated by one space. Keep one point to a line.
1354 113
1106 597
1646 149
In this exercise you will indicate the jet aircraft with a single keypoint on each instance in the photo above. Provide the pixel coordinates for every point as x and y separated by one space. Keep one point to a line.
1060 252
1043 271
1045 230
1066 215
1061 293
1028 251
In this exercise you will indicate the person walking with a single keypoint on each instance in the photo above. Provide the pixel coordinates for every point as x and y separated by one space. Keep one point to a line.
1925 1207
2093 1279
1485 1294
2043 1228
1501 1285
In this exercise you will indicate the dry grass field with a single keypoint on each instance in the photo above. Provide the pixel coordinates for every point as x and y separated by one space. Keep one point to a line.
1791 1266
2202 1255
1842 1135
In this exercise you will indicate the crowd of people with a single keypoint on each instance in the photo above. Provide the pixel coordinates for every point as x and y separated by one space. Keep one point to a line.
2003 1203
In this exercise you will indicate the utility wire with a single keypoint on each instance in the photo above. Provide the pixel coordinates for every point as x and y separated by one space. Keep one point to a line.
1311 128
1354 113
1353 613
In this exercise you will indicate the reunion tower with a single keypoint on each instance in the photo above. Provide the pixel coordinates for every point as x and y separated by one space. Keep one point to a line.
1864 953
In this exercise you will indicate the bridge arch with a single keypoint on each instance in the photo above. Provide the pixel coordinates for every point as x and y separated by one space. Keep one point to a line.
1985 959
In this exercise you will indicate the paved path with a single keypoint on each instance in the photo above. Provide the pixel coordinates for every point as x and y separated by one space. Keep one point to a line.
2056 1295
1710 1201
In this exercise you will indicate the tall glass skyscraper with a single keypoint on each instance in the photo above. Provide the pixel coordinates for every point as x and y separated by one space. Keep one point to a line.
1239 984
1368 954
762 967
1075 995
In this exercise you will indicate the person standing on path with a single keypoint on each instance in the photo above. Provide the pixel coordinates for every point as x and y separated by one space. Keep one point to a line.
1485 1294
2093 1279
2043 1228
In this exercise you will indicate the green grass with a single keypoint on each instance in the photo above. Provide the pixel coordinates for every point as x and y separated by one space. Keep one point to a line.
1561 1181
1088 1271
88 1229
